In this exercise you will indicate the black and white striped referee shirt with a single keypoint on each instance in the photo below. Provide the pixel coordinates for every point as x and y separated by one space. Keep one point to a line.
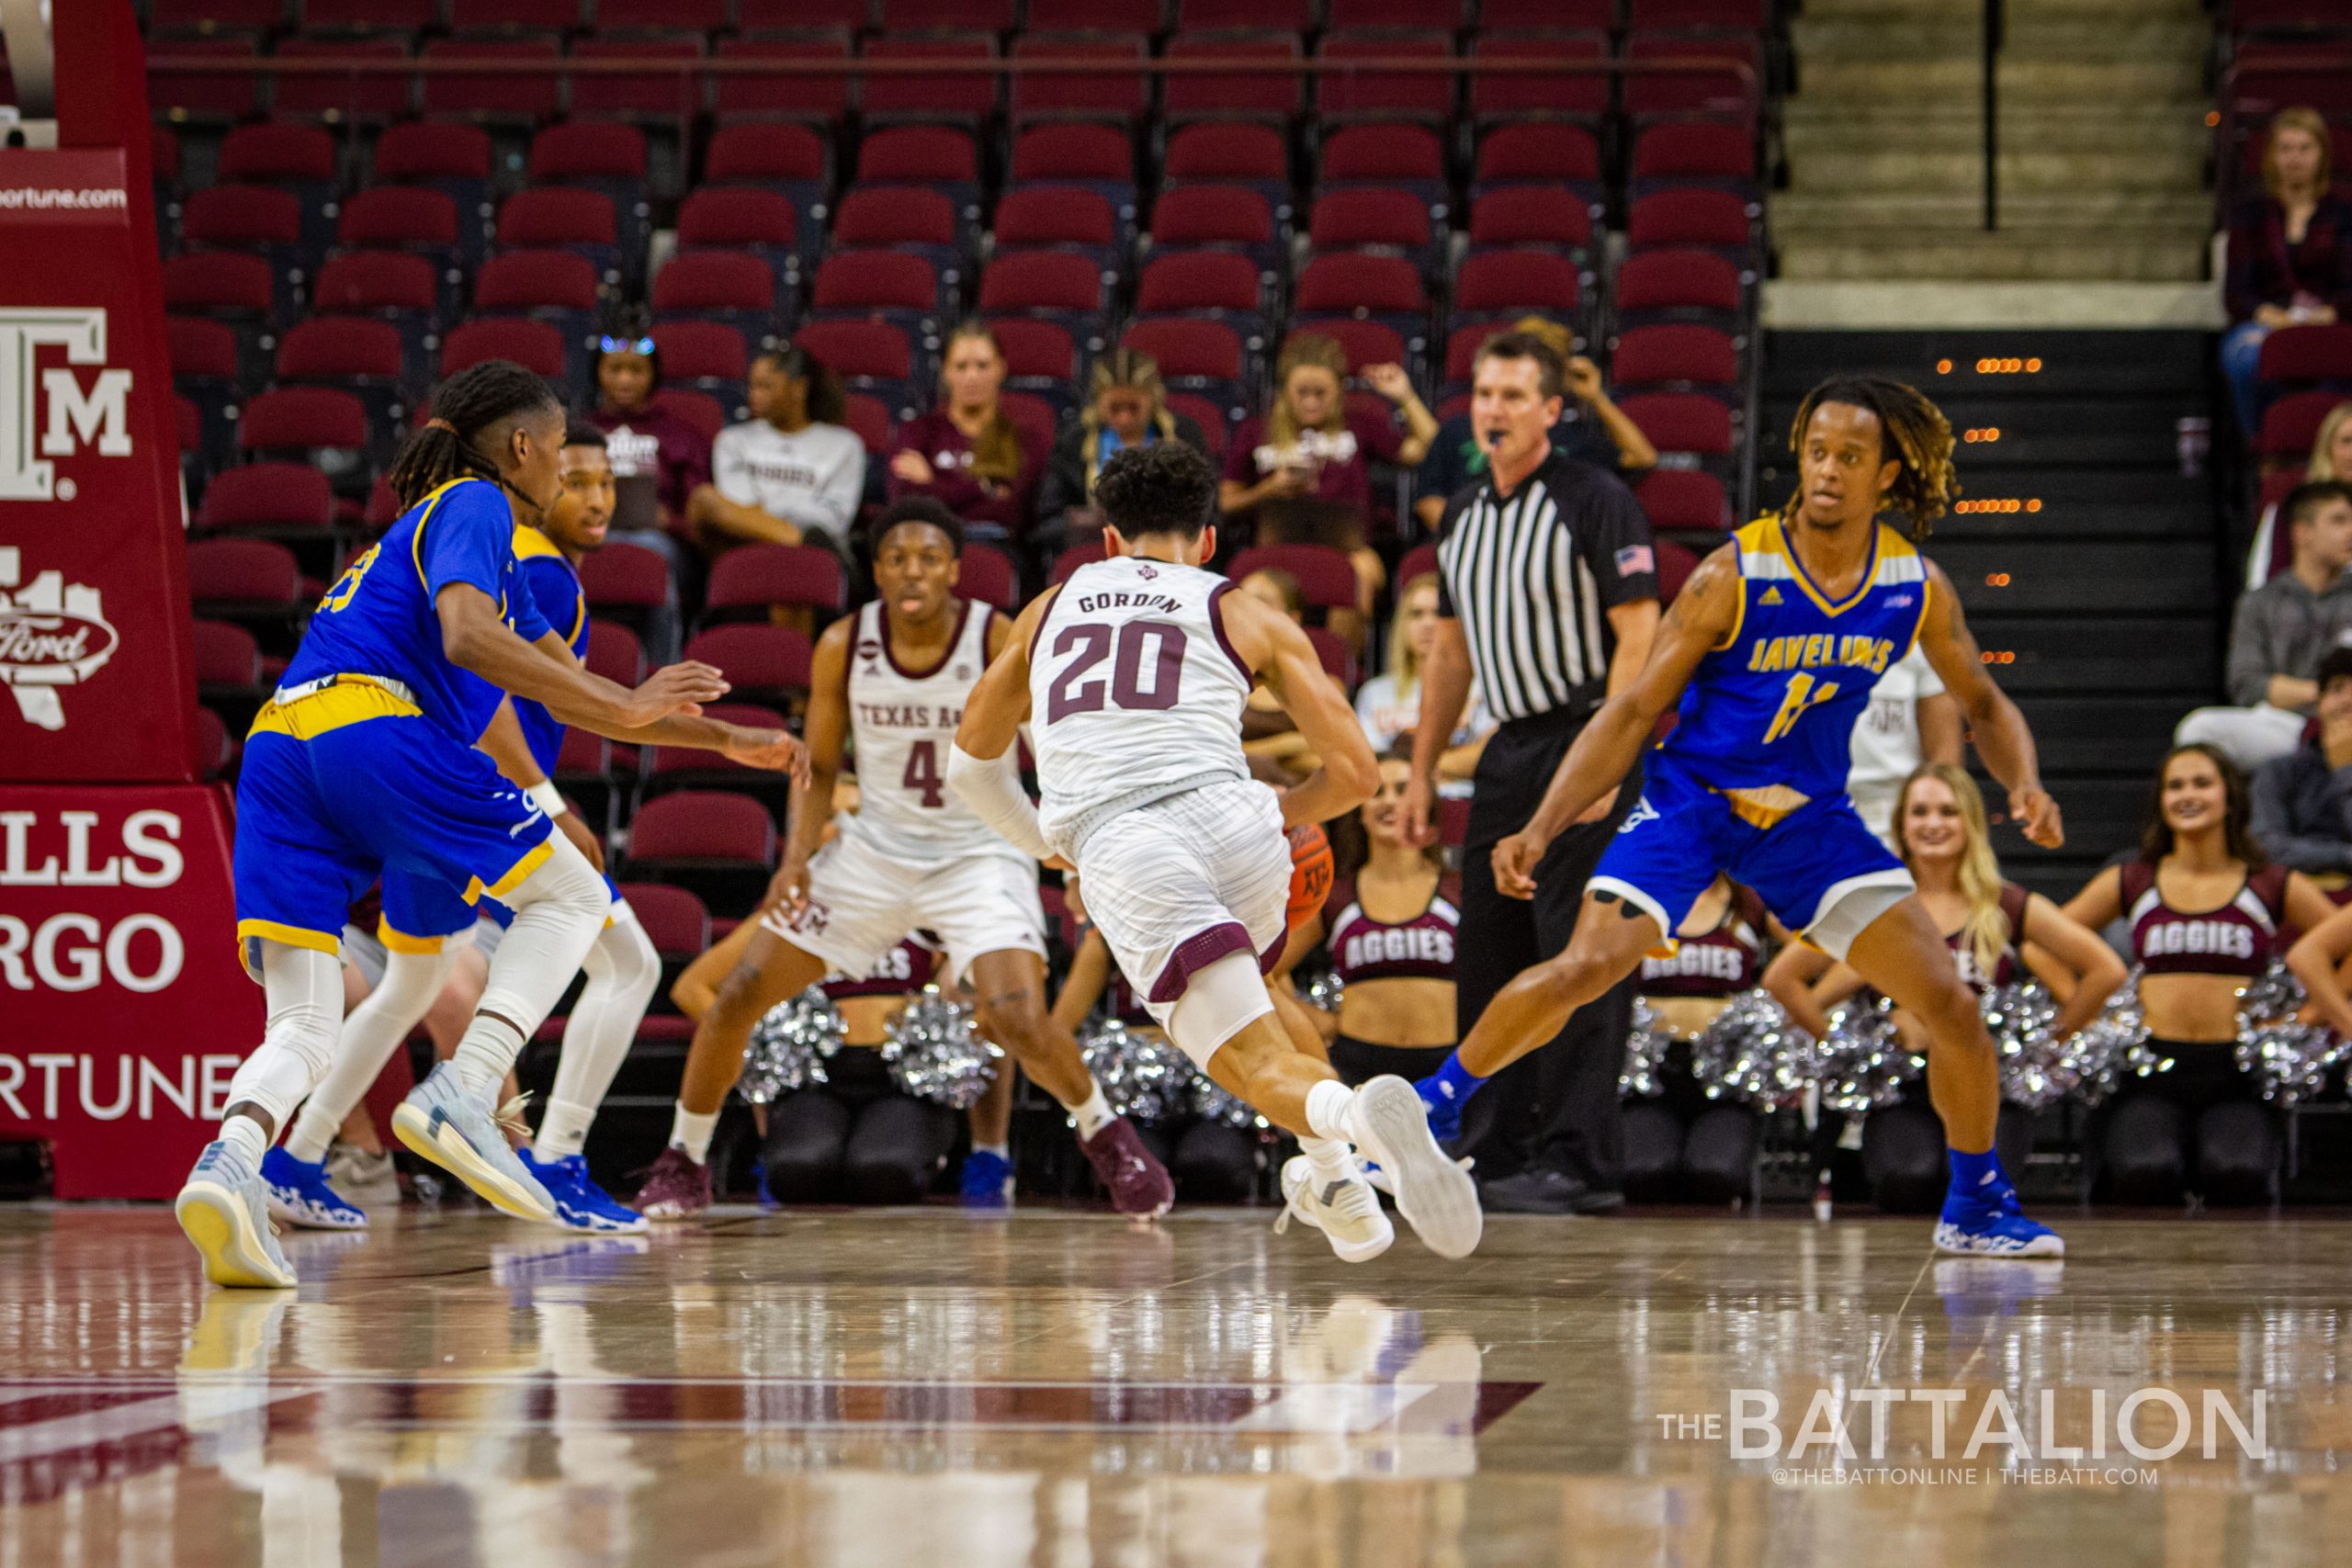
1532 577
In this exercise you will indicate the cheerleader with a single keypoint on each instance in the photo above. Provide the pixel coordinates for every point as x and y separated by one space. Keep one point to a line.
2205 910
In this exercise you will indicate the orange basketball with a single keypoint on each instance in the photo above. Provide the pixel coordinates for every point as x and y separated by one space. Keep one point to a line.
1310 873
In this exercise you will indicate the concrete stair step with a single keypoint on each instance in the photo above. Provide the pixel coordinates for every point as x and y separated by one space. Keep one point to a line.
1876 79
2026 173
2139 83
2180 213
1948 254
1943 34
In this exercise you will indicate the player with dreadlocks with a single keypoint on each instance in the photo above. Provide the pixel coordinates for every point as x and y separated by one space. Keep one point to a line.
1769 653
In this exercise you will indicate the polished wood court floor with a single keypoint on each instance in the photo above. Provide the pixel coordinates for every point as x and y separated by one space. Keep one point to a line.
1057 1389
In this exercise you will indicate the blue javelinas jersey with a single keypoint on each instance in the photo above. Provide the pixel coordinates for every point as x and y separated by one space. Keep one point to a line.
378 618
1774 707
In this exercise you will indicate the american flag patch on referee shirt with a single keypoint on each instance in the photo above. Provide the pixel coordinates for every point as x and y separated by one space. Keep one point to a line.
1635 559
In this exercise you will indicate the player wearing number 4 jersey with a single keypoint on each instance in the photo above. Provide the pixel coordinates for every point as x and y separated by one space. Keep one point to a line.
1771 650
893 680
1132 675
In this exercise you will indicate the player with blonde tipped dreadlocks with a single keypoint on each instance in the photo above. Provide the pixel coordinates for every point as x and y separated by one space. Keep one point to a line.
1768 654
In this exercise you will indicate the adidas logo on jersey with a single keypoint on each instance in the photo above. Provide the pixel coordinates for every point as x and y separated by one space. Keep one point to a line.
1770 596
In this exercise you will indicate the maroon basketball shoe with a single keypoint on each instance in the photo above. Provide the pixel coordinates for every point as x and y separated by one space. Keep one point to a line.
1138 1183
675 1187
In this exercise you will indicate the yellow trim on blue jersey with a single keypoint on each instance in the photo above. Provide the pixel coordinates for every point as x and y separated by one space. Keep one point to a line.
401 942
416 536
515 874
1778 544
351 700
292 936
530 543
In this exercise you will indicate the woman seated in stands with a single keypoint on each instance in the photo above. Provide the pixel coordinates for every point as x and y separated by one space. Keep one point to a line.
1126 406
857 1137
2290 252
1389 705
1302 471
646 442
1999 933
2205 912
792 473
968 453
2274 548
1391 945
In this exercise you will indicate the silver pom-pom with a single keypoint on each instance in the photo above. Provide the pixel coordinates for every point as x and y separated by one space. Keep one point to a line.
1644 1053
1211 1103
2273 995
1864 1064
1144 1078
788 1048
2291 1061
2036 1071
1752 1052
1326 991
934 1052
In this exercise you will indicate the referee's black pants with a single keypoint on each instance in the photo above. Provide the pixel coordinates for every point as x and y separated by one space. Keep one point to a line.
1556 1106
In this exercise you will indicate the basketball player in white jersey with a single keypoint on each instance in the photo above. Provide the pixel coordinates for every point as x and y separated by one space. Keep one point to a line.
1133 676
892 680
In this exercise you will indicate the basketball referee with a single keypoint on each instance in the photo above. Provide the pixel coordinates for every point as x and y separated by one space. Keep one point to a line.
1548 600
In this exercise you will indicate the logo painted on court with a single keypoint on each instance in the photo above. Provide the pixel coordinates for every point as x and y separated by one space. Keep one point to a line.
52 635
52 413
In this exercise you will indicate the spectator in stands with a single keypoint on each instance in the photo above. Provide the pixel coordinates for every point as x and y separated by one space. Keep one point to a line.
2331 459
1278 753
1911 721
791 473
2281 631
2291 252
2302 801
650 446
968 453
1390 703
1592 429
1303 470
1127 406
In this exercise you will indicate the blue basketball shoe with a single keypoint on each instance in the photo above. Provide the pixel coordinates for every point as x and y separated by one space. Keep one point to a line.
579 1203
987 1180
299 1195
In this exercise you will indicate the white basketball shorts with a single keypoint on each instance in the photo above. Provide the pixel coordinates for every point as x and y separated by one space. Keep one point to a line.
1178 884
861 903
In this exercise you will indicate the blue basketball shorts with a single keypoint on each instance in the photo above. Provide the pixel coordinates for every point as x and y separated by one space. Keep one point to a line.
1817 869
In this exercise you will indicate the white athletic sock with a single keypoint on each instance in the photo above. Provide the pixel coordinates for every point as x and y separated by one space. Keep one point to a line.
1002 1151
623 970
303 988
243 1134
1093 1114
373 1031
485 1054
1326 1109
691 1131
1333 1158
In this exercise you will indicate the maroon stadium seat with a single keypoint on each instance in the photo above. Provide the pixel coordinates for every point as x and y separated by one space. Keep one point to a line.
513 16
1408 157
1332 652
1540 94
1683 499
527 97
702 826
1120 96
674 921
1094 16
587 149
198 347
939 156
227 659
1371 218
534 346
1204 358
649 94
1716 16
1439 15
914 219
945 16
731 287
1548 16
535 280
701 412
1244 16
749 581
1715 219
760 152
230 95
762 663
269 498
229 284
1201 282
1687 423
421 151
1097 155
369 281
1216 421
1675 565
1681 151
2298 356
884 285
584 222
1550 216
260 219
394 218
625 576
1418 562
1665 281
661 16
1540 153
1326 579
871 356
702 351
1517 282
1716 93
1245 154
276 152
615 652
1051 217
1366 342
1234 217
1033 416
1063 286
1674 355
1079 555
341 349
1262 95
961 99
869 421
823 96
1371 288
727 218
1423 96
215 17
302 418
2289 425
986 577
242 580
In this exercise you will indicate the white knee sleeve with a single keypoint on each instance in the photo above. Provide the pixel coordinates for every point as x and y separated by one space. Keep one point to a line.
559 909
304 987
1222 1001
371 1035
